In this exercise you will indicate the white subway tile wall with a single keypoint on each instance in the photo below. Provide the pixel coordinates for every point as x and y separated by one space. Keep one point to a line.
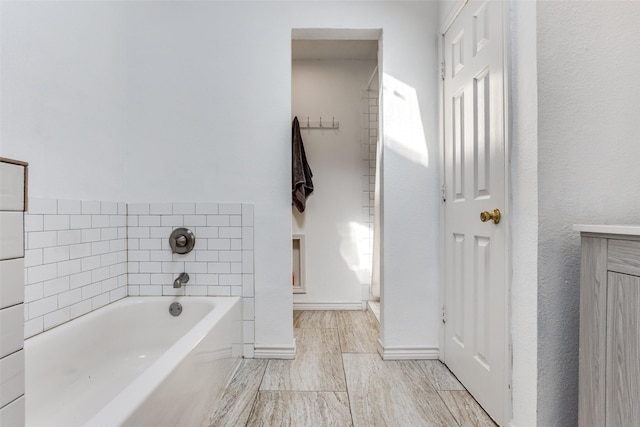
221 263
75 260
369 100
83 255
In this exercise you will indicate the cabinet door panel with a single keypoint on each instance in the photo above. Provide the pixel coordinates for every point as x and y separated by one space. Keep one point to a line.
623 350
624 256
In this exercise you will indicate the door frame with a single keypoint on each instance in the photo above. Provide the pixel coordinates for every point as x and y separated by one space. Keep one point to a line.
342 34
507 79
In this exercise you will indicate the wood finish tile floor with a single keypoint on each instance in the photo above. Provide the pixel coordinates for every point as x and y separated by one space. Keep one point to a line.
338 379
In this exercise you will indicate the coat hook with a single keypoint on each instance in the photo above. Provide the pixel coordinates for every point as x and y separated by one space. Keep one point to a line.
333 122
308 121
320 121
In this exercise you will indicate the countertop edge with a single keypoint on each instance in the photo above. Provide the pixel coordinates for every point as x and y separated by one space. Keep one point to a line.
629 230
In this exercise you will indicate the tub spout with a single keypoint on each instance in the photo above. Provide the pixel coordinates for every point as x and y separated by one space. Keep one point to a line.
181 280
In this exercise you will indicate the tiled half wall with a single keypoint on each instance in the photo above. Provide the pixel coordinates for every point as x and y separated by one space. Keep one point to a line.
75 260
82 255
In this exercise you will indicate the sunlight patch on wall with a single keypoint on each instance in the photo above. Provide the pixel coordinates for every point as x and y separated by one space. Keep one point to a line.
355 249
403 130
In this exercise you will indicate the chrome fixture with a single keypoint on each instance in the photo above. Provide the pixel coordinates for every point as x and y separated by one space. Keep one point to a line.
175 309
181 280
319 125
182 241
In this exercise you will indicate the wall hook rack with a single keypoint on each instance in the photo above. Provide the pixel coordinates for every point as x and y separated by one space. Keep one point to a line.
320 125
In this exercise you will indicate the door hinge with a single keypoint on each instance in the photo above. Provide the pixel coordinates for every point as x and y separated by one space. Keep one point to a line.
443 193
442 72
444 315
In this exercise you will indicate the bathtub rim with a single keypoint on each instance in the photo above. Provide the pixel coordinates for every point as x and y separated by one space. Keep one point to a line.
51 333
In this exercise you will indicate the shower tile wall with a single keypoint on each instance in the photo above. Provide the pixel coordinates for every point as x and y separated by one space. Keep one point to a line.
75 260
369 146
222 254
83 255
221 263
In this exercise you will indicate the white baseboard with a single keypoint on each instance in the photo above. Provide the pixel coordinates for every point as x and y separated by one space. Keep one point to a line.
328 305
275 352
408 353
370 310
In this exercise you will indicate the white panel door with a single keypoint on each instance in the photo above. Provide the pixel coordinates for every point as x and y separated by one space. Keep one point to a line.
474 152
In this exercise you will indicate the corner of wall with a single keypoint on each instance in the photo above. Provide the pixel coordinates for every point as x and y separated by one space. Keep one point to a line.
524 208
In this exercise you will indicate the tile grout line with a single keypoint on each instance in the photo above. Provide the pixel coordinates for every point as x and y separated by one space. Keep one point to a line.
473 398
344 372
255 399
429 378
448 408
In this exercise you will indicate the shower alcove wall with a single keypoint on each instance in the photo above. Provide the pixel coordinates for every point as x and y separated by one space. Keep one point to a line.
336 81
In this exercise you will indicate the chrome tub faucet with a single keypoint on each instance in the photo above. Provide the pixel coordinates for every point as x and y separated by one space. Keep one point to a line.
181 280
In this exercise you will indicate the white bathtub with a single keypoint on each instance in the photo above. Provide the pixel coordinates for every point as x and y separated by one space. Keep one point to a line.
132 363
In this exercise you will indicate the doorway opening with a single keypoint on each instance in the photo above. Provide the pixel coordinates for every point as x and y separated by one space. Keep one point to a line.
336 98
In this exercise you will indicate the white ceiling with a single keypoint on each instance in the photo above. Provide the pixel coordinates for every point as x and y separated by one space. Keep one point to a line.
334 49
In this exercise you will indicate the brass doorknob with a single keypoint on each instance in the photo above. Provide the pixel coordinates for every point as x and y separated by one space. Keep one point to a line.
486 216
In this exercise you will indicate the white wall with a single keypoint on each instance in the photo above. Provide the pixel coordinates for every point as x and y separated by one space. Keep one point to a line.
524 208
191 101
410 185
63 96
588 151
228 112
336 234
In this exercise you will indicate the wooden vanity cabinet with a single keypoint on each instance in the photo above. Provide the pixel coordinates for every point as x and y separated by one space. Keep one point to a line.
609 354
